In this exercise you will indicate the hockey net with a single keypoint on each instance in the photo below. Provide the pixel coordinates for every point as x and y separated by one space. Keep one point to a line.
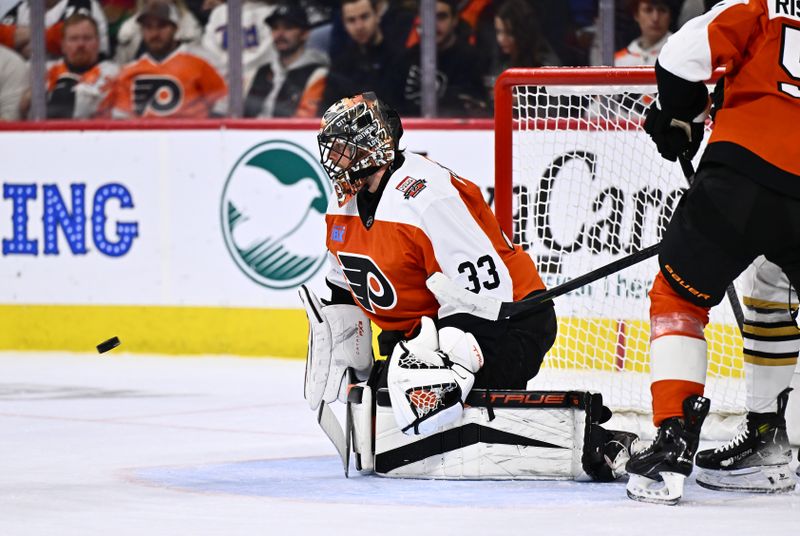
579 184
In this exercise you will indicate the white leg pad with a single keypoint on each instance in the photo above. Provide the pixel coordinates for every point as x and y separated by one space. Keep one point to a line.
554 449
363 433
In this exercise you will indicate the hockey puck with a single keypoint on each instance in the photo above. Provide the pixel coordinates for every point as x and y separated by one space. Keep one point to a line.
110 344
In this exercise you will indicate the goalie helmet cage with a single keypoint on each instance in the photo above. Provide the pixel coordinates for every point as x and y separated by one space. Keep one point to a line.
579 184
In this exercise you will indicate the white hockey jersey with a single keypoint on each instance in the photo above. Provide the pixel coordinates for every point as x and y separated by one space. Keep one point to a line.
428 220
256 48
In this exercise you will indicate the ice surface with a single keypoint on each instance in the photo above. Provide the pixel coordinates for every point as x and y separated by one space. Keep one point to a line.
124 445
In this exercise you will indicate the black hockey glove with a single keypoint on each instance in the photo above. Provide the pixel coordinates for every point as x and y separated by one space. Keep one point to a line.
673 137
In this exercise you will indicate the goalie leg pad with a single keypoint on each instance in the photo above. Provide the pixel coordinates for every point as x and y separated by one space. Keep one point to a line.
362 406
510 446
508 441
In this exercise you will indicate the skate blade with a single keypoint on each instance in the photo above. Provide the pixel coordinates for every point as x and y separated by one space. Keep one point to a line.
767 479
668 490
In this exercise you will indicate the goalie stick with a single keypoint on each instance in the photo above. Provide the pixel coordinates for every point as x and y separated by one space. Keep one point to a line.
446 291
333 429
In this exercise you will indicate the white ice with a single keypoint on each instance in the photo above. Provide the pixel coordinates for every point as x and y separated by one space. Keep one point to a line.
131 445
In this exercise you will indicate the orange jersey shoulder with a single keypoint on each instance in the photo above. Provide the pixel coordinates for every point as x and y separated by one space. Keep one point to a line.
758 44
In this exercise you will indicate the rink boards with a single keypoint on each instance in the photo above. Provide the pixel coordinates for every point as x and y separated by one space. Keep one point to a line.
134 230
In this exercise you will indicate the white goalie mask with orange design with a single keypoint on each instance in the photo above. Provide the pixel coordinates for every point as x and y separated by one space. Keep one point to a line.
358 136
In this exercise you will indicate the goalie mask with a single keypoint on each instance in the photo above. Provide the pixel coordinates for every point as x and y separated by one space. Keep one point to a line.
358 136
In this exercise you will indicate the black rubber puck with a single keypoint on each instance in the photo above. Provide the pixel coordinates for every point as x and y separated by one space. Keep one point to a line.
105 346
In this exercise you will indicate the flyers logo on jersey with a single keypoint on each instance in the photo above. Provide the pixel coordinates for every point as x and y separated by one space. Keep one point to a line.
161 95
411 187
370 287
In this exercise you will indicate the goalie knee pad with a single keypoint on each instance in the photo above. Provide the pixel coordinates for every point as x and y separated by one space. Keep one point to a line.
428 385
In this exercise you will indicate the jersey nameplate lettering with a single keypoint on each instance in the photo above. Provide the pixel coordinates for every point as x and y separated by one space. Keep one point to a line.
789 9
369 284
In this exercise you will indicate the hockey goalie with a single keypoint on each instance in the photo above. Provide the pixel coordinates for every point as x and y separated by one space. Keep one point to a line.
450 400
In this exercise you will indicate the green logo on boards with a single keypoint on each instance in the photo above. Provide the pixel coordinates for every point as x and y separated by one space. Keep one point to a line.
273 214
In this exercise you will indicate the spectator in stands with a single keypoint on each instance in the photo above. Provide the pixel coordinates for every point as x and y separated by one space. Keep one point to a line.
320 13
367 62
397 20
14 82
129 39
292 82
77 84
57 12
460 90
201 9
169 80
16 37
519 38
117 12
257 43
653 18
693 8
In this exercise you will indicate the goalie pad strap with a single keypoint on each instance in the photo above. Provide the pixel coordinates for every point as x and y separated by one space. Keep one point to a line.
592 403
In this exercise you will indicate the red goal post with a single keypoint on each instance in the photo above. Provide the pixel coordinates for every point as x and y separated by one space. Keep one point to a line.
504 113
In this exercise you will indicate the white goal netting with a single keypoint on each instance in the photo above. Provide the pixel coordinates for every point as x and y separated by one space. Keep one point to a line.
589 187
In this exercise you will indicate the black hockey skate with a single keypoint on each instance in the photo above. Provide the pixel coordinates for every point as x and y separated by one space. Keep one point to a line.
657 472
756 459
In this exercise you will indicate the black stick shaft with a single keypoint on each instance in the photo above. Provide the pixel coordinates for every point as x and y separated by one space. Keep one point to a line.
508 309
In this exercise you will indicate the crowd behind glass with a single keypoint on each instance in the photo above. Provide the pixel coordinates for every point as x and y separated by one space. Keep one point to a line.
118 59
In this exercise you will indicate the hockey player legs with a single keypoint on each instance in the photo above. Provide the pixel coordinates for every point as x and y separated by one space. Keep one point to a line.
745 203
696 268
757 458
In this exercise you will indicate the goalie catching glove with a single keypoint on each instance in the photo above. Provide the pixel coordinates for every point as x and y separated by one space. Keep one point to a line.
430 377
339 338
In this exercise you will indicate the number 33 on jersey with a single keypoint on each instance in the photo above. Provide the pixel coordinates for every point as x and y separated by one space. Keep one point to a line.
428 220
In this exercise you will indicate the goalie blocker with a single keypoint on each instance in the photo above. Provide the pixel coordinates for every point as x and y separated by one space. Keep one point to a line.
502 434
